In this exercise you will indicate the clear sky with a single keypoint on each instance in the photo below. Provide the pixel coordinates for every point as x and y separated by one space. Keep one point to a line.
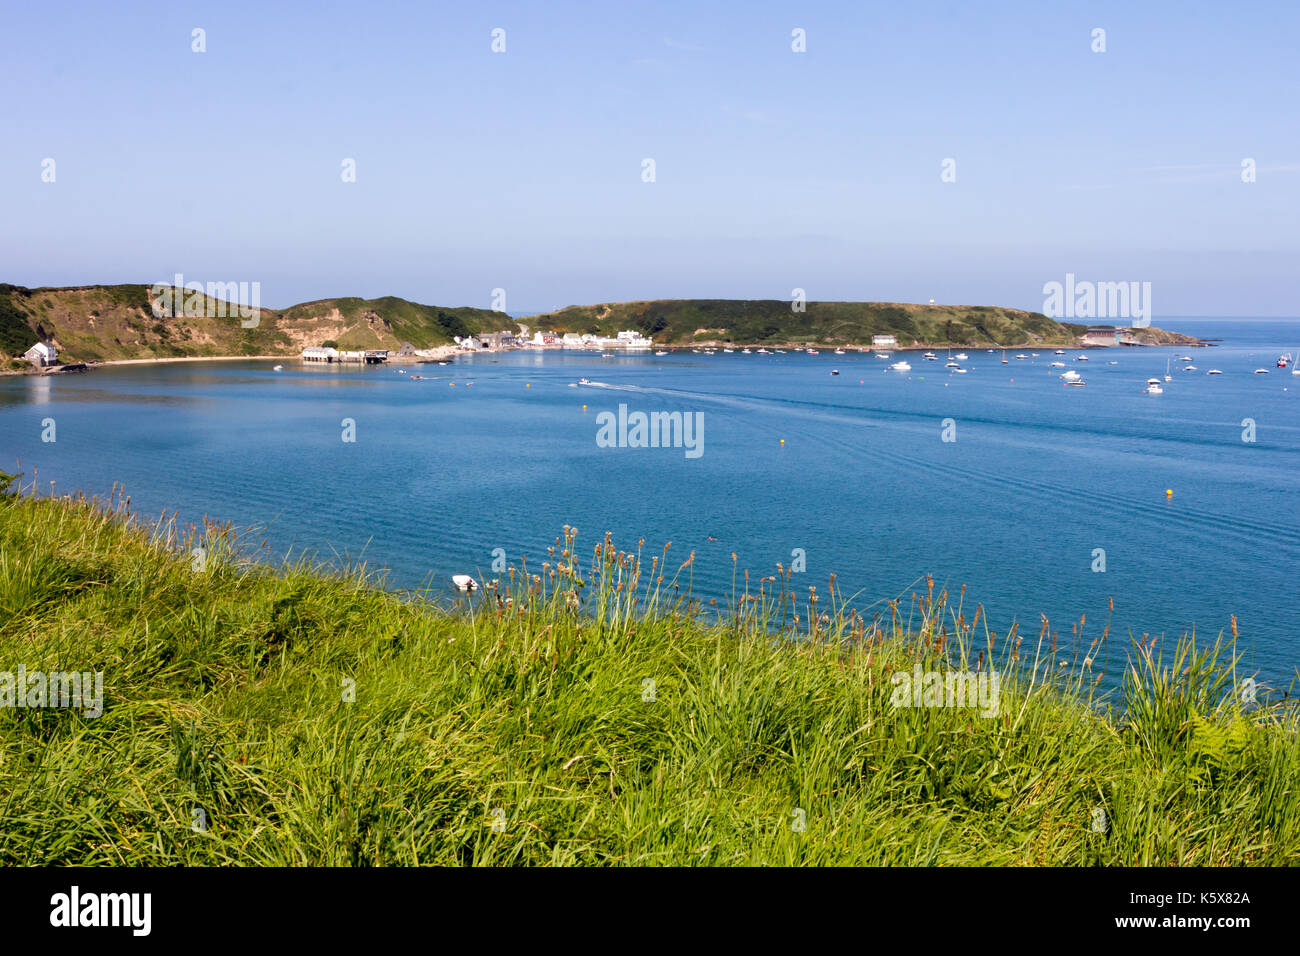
774 170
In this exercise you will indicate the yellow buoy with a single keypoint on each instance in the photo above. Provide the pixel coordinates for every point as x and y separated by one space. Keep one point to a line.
527 385
584 408
782 441
1169 492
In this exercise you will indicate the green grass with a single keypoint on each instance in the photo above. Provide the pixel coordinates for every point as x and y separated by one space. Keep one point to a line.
518 731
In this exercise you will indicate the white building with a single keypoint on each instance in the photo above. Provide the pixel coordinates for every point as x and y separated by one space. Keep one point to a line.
883 341
320 353
633 340
41 354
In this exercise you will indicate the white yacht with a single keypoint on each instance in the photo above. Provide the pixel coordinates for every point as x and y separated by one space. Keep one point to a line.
901 367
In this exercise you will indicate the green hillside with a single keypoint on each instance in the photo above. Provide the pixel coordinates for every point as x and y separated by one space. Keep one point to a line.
773 322
591 714
102 323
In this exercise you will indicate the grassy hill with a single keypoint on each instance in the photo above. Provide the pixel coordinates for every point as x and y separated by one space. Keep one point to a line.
585 713
771 322
100 323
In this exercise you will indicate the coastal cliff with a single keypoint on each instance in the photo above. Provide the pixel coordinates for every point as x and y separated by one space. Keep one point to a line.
101 323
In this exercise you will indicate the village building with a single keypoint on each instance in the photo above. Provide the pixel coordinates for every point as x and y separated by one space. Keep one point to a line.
319 353
884 341
42 354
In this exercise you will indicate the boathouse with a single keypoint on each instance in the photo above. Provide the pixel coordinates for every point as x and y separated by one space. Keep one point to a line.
42 354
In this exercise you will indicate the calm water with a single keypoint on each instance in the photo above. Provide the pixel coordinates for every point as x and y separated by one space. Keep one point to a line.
1039 476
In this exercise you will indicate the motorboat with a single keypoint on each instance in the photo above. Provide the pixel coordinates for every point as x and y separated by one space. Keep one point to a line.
835 371
1055 364
962 356
1218 371
464 582
278 368
1154 387
1070 376
930 357
901 367
1261 371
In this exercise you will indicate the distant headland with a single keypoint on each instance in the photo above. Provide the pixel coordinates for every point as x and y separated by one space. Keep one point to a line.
113 323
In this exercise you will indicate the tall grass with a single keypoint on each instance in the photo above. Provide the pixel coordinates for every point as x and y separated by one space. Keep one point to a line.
589 711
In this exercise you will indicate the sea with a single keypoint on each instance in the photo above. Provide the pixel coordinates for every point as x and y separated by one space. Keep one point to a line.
1037 498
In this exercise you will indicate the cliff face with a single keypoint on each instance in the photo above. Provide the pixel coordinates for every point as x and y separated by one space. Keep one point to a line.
774 322
101 323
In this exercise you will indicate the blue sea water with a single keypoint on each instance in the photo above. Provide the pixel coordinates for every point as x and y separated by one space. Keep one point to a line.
1039 477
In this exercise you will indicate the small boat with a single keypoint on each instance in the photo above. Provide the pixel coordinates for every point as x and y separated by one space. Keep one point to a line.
835 371
1261 371
839 351
1070 376
764 352
1154 388
952 365
1076 382
1189 368
959 371
812 351
464 582
1153 381
930 357
1058 365
1004 356
1060 351
1184 358
1022 356
883 355
1168 377
278 368
1283 361
962 356
1218 371
416 378
1081 358
728 351
746 352
1112 363
661 352
901 367
584 381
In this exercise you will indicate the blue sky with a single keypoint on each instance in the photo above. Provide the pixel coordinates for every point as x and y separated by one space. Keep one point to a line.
774 170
